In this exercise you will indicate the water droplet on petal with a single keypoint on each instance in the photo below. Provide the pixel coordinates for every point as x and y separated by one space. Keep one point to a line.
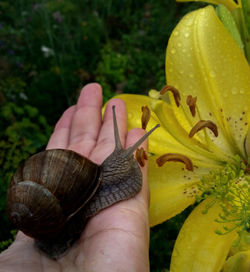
234 90
176 33
173 51
212 74
186 35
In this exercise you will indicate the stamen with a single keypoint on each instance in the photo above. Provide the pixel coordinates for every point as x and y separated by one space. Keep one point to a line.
204 124
247 144
174 91
191 102
176 158
141 156
145 116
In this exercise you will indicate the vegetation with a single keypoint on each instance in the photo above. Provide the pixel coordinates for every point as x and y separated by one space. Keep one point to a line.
49 49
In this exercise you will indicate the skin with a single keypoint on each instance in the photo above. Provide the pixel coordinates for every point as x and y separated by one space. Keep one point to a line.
116 239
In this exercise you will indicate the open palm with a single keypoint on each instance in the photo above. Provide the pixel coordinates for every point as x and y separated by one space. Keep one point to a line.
117 238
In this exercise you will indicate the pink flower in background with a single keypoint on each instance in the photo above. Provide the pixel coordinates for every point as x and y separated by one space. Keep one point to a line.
58 17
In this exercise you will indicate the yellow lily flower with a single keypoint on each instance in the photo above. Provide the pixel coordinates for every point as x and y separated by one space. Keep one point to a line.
202 61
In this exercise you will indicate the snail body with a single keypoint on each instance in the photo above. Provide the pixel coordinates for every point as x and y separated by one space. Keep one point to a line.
54 193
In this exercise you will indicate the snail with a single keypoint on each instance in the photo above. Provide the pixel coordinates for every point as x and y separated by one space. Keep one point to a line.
53 194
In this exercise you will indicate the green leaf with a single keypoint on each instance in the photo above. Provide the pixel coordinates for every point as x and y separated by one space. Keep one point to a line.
242 26
246 12
228 21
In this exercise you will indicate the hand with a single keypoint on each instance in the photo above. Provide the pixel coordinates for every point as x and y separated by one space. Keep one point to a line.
117 238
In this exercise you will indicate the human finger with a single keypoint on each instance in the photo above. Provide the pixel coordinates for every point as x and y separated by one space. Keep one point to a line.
60 136
86 121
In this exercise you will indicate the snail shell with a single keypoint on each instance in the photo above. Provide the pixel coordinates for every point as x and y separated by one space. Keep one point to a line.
52 195
42 193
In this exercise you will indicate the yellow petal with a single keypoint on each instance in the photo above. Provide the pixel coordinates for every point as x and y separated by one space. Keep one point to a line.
243 245
134 103
238 262
203 60
230 4
198 247
172 188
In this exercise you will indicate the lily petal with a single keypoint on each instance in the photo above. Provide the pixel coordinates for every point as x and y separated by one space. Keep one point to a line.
172 188
238 262
203 60
134 102
198 247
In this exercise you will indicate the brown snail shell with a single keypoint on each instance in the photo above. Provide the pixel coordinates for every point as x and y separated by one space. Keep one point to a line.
52 195
50 179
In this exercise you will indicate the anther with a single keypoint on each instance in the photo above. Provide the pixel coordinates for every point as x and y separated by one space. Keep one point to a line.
204 124
176 158
191 102
145 116
174 91
141 156
247 145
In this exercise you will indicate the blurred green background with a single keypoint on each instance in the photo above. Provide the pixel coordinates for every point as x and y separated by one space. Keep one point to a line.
50 49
